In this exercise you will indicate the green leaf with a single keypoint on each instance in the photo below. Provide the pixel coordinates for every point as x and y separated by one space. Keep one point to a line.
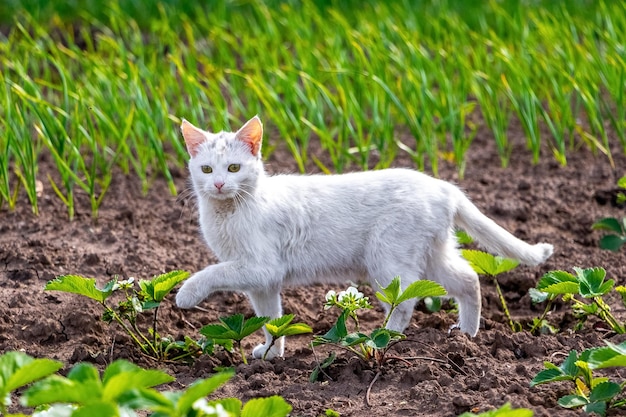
553 278
252 325
487 264
604 392
354 339
621 183
612 242
147 399
562 288
609 356
116 384
421 289
158 288
266 407
84 372
18 369
98 409
567 371
336 333
282 327
57 389
379 339
598 408
201 389
463 238
231 405
572 401
504 411
592 282
391 292
80 285
233 327
608 223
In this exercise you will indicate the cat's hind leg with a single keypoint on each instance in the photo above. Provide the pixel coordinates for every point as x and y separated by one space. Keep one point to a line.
447 266
267 303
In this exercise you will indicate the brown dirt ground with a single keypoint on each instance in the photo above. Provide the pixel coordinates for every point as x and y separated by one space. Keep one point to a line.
142 236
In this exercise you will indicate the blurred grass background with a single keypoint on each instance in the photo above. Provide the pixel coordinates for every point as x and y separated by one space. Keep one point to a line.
101 86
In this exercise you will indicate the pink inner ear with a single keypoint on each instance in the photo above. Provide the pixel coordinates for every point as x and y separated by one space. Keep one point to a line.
193 136
252 134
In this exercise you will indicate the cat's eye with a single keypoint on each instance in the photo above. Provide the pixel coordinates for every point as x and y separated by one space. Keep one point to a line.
234 167
206 169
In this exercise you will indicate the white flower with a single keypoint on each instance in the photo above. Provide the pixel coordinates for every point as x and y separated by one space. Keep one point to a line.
203 405
352 293
125 284
330 295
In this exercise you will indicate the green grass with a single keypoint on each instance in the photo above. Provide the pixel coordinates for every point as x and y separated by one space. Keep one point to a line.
102 88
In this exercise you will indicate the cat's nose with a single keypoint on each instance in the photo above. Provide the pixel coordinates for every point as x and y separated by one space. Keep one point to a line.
219 185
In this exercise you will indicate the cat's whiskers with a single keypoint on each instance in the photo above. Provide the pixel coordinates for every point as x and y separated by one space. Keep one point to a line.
187 199
241 199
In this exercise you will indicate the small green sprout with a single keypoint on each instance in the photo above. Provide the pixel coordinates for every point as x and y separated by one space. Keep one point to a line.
492 266
282 326
233 329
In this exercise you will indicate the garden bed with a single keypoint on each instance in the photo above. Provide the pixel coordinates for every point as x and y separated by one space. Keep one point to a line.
443 373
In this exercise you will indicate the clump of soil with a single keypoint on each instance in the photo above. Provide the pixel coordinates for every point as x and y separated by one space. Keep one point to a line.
439 373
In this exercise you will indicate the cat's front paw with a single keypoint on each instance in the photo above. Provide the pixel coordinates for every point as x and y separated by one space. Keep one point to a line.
276 350
188 296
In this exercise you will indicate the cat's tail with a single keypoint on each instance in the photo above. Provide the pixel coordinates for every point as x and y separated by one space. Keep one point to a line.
494 238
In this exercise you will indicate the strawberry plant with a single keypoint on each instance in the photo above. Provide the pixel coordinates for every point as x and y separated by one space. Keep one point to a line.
114 393
591 393
17 370
375 345
123 389
584 290
233 329
504 411
282 327
617 237
372 346
136 301
487 264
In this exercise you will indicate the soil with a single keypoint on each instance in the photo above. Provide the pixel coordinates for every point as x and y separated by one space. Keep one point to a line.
442 373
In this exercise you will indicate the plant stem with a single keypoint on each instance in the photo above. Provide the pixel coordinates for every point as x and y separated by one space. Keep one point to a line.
124 326
544 314
148 342
503 302
243 354
605 314
391 310
154 331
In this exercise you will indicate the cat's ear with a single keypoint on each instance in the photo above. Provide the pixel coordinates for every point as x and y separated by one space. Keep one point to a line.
194 137
252 134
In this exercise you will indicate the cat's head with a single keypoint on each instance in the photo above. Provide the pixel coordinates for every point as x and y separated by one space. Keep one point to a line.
224 165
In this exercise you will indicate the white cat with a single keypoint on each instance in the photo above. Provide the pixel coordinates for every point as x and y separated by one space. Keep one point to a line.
268 231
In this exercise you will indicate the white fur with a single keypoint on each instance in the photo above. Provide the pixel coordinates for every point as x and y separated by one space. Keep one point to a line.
269 231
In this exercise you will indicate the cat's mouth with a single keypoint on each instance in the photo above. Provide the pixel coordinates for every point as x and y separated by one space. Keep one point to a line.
222 194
